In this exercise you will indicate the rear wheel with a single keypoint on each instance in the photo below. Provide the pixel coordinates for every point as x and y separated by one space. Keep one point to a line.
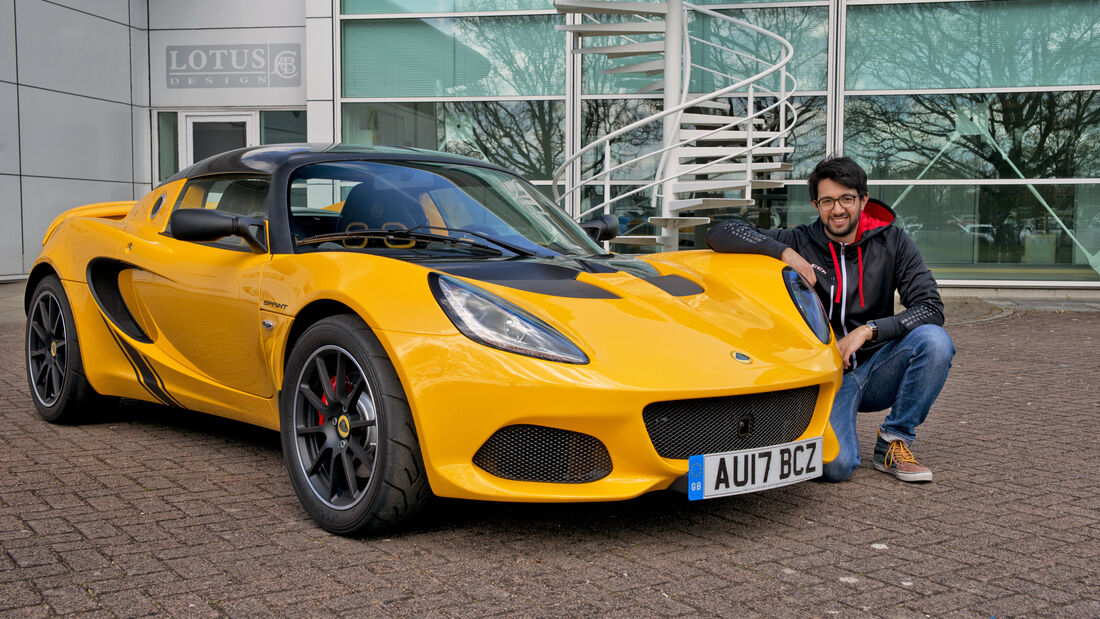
55 372
348 436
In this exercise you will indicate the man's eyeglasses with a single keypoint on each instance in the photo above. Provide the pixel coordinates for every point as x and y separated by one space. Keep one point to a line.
847 200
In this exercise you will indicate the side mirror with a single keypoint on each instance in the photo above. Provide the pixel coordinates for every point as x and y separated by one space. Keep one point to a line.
204 225
603 228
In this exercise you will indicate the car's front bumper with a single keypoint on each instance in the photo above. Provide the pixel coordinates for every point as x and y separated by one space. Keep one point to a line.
464 395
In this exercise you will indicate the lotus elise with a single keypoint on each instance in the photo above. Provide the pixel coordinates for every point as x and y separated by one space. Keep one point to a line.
415 324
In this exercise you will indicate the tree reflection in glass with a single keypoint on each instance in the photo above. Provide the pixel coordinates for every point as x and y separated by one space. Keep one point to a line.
1030 135
1046 134
972 45
524 136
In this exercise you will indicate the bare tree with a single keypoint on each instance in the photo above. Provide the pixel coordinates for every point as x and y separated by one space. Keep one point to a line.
525 136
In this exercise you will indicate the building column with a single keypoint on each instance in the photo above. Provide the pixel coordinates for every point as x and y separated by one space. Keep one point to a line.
321 78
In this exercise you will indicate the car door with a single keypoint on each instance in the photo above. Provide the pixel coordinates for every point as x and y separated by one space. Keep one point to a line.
202 299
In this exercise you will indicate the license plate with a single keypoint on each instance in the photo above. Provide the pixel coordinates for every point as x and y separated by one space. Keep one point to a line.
751 470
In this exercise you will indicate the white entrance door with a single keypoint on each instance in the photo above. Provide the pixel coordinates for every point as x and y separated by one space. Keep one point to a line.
210 133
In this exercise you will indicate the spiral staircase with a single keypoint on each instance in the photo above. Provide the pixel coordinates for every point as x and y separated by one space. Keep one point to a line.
717 147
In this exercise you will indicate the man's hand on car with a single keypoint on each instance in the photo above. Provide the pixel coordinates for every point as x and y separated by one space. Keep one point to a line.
798 263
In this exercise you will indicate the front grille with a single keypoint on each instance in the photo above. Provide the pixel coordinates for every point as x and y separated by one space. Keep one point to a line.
684 428
538 453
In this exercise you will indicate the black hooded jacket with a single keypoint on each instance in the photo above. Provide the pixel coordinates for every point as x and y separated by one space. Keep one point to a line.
856 281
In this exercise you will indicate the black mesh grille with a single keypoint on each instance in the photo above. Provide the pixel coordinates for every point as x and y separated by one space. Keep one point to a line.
684 428
538 453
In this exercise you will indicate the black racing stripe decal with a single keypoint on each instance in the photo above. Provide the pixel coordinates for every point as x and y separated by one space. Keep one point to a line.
122 347
145 374
151 379
675 285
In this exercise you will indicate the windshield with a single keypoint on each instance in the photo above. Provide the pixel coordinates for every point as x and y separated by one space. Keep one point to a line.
428 207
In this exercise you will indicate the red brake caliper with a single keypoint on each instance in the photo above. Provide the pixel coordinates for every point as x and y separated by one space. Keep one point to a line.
324 398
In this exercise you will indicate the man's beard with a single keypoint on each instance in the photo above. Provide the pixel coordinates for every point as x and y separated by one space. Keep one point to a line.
853 223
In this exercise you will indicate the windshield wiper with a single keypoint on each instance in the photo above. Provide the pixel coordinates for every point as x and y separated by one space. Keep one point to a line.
402 236
515 249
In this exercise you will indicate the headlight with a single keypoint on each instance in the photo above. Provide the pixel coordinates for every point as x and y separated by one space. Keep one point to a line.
808 304
487 319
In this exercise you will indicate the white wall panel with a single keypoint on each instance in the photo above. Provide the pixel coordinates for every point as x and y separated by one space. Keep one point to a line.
139 66
9 130
320 126
74 137
116 10
70 51
11 240
169 14
139 13
46 198
319 49
318 8
7 40
142 146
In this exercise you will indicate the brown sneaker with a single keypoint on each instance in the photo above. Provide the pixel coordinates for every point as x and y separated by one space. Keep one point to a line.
895 458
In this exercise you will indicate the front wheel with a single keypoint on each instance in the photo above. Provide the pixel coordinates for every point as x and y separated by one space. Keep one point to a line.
55 371
348 436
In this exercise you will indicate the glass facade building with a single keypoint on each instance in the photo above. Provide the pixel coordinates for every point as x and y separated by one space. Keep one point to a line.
976 120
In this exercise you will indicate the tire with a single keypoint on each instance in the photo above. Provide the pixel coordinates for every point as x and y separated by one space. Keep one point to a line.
352 453
55 371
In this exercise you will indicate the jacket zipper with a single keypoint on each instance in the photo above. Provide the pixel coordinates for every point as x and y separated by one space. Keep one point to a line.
844 299
843 291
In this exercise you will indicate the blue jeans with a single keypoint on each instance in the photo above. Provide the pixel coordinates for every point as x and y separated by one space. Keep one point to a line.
905 375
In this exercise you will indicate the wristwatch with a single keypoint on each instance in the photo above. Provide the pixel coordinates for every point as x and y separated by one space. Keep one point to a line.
874 330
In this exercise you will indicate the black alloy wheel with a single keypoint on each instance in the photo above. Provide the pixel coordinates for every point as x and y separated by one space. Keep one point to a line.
55 372
46 348
335 427
348 436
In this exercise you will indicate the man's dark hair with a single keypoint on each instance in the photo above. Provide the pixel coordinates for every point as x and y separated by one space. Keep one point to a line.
840 170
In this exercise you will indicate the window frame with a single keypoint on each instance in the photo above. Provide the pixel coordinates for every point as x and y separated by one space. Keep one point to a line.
232 242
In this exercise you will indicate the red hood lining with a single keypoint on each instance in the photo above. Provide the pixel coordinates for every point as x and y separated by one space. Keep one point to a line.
874 215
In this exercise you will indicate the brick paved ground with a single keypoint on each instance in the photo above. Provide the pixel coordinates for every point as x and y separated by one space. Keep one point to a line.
149 512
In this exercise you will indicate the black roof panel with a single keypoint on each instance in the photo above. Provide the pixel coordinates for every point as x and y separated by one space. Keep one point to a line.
266 159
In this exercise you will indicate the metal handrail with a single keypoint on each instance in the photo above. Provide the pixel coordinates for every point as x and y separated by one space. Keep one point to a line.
782 102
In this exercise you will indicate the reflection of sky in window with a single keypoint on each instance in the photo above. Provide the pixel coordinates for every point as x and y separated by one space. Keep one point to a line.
973 45
353 7
468 56
525 53
804 27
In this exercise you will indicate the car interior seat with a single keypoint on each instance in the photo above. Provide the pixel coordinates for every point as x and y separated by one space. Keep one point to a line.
380 209
245 197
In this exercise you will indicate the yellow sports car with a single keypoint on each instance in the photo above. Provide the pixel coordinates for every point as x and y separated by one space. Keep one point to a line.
416 323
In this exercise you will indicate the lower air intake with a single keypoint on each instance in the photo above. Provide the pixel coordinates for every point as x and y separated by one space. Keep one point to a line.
684 428
538 453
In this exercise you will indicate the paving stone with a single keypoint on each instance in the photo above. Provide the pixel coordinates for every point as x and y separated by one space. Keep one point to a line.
948 602
70 599
32 556
166 513
246 608
1086 608
15 595
129 603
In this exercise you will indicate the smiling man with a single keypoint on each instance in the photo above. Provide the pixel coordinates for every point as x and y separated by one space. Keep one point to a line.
856 260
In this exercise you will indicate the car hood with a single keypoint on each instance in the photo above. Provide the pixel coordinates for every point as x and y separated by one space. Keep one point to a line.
681 307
